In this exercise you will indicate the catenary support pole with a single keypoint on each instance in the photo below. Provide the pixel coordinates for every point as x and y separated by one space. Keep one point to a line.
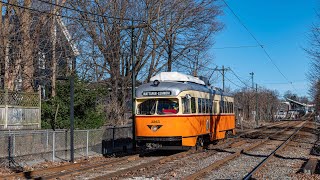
72 110
133 87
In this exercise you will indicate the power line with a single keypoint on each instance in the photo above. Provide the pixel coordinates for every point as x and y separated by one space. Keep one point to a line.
264 50
233 83
242 23
45 12
174 49
238 78
236 47
85 12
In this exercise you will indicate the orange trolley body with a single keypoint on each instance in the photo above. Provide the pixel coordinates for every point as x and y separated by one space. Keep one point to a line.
175 114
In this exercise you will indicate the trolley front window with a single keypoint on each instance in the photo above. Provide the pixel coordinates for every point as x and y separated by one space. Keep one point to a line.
147 107
168 106
162 107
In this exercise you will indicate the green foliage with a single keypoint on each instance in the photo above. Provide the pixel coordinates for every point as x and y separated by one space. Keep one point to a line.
88 113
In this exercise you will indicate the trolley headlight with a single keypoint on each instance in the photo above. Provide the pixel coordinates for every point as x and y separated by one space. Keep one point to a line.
154 128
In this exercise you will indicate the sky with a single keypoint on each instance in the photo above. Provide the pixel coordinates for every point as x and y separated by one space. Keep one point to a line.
282 27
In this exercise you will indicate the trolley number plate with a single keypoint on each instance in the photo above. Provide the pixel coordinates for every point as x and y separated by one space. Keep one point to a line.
156 93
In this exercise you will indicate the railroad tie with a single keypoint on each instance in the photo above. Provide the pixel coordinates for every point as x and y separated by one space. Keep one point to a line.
310 167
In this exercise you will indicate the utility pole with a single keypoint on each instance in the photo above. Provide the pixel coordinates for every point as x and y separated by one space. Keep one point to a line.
133 74
72 109
252 79
222 70
133 88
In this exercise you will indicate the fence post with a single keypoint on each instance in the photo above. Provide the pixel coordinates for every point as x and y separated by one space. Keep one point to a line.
13 145
6 108
87 152
9 149
47 143
39 110
113 134
53 144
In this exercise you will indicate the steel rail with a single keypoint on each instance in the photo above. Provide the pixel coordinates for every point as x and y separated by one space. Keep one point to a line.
259 129
67 175
68 172
265 160
58 171
218 163
144 165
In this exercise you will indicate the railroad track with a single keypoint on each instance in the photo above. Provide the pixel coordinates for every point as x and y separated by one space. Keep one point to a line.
279 148
217 164
73 170
59 171
144 169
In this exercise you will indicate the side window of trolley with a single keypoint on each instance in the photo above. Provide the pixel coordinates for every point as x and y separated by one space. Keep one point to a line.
232 108
226 107
193 105
221 106
209 108
186 105
215 107
199 105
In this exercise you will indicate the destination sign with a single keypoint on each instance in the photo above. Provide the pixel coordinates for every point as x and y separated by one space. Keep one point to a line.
156 93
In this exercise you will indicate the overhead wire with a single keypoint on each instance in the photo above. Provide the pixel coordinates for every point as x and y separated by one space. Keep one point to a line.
262 47
245 84
212 69
95 14
236 47
174 49
45 12
231 81
85 12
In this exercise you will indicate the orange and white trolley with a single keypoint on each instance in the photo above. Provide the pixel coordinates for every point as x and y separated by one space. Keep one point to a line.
175 110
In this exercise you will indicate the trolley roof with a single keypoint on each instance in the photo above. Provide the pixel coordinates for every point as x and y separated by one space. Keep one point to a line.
176 76
171 89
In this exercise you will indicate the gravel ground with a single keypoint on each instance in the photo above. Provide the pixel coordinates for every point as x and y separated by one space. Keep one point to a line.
181 168
115 167
187 167
289 162
240 166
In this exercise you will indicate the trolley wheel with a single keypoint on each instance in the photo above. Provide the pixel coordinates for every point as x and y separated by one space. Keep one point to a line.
228 135
199 144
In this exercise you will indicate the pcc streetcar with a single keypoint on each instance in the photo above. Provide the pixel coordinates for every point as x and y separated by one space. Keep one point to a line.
177 110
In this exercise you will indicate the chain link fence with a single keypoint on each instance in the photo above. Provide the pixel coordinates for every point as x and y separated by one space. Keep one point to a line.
55 145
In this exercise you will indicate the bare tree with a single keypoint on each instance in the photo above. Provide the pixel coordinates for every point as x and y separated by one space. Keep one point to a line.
314 54
28 56
165 32
267 101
